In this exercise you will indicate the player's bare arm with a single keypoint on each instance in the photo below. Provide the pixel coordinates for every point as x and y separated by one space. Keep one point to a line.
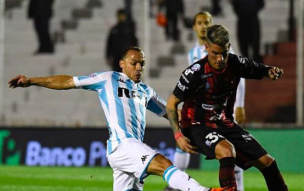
59 82
239 115
172 113
275 73
179 115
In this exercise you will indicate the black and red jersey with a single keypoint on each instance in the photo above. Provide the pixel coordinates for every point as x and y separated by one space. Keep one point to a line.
209 95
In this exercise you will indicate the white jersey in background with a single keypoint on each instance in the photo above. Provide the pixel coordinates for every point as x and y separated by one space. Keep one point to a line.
124 103
198 52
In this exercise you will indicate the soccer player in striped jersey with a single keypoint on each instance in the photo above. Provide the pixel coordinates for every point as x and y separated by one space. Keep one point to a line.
125 99
201 22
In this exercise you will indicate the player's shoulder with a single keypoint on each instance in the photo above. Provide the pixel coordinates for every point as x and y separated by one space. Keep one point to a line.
146 87
202 62
102 73
236 58
149 90
231 50
191 50
100 76
114 30
195 69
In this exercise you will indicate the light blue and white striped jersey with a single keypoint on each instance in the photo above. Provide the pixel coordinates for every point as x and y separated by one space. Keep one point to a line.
124 103
198 52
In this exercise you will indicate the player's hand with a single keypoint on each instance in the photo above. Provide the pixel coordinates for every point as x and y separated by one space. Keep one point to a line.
19 81
275 73
184 144
239 115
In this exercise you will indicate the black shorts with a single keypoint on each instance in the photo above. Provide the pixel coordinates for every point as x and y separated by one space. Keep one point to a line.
206 138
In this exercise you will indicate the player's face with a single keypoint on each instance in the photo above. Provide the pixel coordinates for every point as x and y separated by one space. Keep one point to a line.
133 64
217 55
202 22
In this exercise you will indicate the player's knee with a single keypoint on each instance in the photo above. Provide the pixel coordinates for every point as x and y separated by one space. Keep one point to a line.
263 162
159 164
224 149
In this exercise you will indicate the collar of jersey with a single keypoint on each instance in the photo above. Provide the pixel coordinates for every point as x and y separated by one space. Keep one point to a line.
127 78
202 47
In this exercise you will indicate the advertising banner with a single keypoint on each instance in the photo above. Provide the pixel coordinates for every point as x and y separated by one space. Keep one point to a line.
72 146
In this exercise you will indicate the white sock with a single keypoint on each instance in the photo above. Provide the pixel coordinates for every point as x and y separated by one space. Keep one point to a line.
178 179
181 159
239 178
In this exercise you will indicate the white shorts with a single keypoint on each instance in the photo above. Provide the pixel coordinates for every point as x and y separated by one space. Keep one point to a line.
129 162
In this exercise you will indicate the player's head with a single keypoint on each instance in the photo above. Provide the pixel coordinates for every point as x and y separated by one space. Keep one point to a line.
132 63
121 15
217 46
201 22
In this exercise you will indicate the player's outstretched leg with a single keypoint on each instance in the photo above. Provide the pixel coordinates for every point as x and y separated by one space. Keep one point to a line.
181 161
223 189
176 178
272 175
273 178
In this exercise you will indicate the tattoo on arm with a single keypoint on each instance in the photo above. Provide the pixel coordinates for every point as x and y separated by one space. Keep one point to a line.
173 119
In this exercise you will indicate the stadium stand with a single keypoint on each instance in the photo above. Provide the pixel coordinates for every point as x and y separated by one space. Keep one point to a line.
84 29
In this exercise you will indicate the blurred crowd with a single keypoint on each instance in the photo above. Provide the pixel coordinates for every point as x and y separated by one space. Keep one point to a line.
168 14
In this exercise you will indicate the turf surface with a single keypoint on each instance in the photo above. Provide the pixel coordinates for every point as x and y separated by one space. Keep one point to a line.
21 178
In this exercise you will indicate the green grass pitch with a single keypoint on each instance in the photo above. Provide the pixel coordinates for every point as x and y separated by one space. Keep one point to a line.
21 178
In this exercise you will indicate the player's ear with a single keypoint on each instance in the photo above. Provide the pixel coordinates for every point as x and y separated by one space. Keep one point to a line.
207 46
121 64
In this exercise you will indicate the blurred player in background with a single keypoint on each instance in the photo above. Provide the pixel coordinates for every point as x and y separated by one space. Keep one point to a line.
201 22
120 36
124 99
41 12
208 90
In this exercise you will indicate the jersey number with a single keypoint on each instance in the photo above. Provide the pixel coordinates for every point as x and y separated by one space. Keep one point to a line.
212 137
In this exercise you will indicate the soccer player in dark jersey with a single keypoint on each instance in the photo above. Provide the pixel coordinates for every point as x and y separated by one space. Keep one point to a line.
200 23
208 90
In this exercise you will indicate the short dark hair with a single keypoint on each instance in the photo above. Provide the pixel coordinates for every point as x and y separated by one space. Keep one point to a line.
201 13
121 12
125 52
218 34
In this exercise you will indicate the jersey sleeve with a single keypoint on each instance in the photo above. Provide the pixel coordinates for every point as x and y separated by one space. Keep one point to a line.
184 86
248 68
93 82
240 94
156 104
